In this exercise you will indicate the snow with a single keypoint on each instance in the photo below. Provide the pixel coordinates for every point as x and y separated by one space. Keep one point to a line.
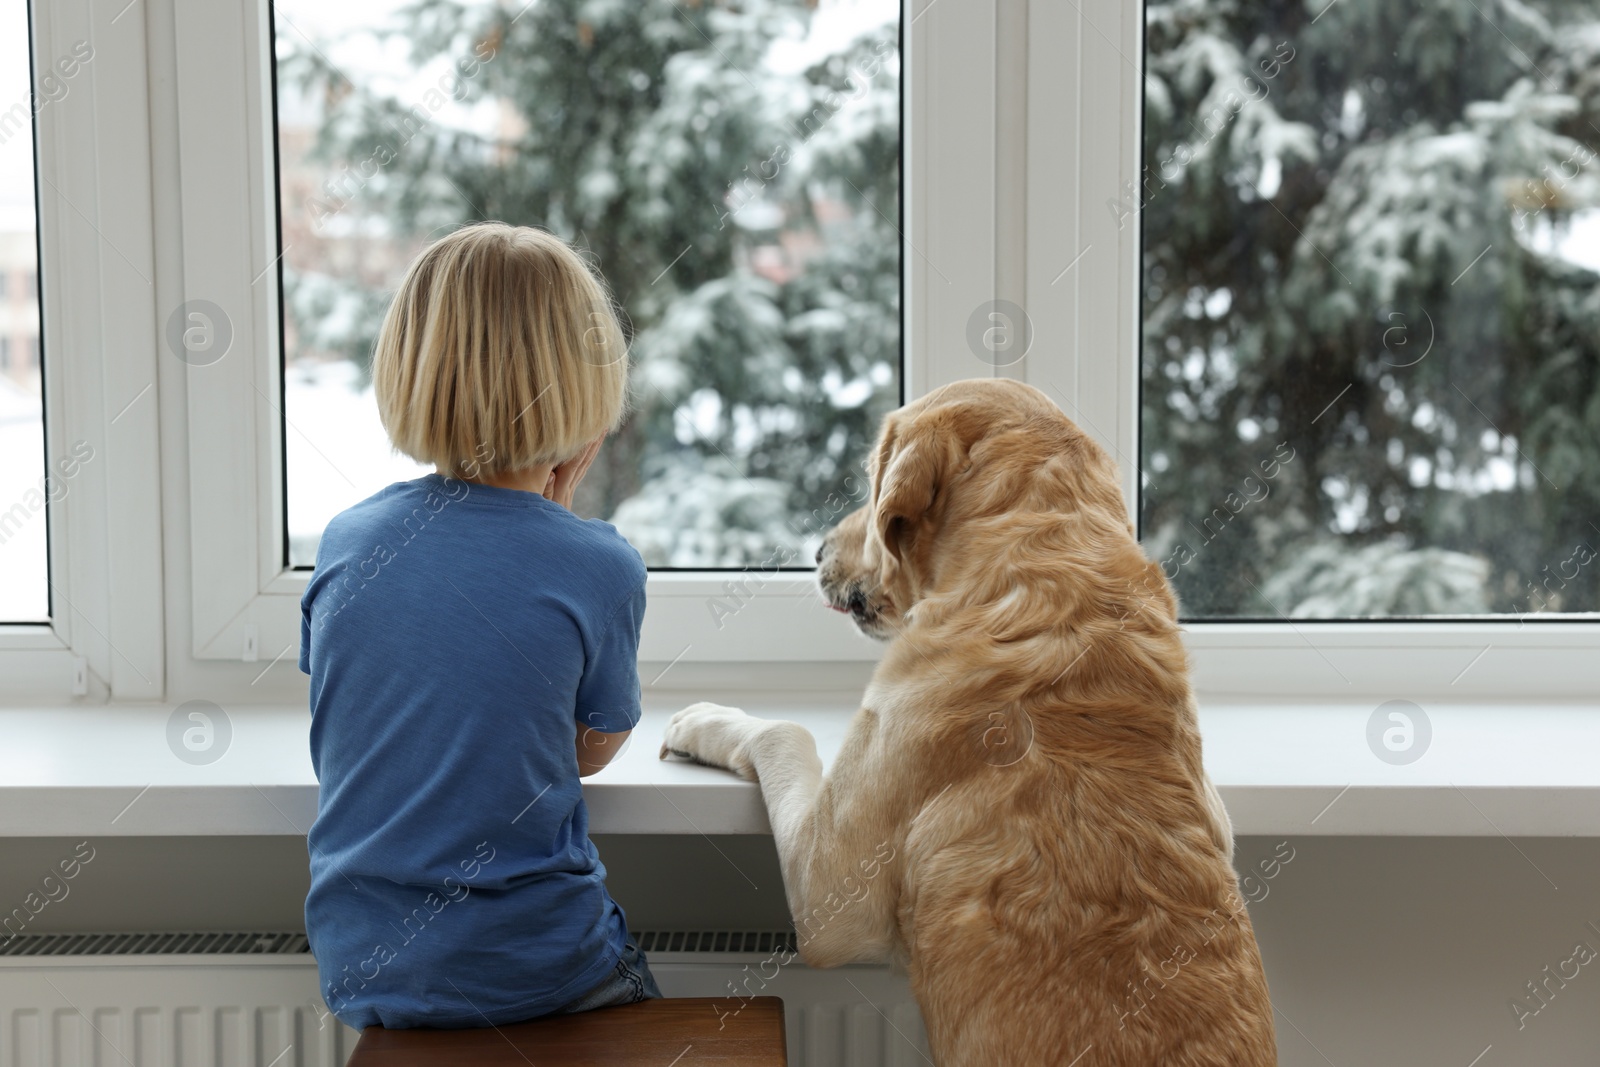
342 33
337 451
697 517
1387 578
851 394
16 154
834 25
699 417
24 594
1575 239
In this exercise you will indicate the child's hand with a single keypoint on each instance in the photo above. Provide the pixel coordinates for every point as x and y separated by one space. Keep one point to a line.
563 481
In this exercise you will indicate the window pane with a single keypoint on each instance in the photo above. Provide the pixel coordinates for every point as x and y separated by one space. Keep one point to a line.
24 585
732 169
1371 349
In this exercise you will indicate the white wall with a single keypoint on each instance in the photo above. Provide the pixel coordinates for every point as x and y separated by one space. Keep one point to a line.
1382 951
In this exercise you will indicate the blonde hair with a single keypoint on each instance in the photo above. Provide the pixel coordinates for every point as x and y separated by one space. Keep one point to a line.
500 352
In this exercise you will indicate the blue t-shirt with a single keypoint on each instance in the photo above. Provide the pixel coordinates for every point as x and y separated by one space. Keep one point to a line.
457 637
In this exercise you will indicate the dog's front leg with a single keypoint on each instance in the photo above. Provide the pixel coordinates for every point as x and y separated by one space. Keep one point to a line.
834 838
781 756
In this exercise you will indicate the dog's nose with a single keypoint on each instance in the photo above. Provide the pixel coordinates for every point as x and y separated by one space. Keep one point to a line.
820 550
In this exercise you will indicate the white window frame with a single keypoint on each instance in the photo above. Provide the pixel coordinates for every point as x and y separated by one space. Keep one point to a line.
244 600
1022 120
1084 118
105 640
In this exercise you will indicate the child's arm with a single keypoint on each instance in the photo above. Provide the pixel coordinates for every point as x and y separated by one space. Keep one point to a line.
595 747
596 750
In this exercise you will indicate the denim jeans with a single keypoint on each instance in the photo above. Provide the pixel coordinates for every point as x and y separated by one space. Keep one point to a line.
628 983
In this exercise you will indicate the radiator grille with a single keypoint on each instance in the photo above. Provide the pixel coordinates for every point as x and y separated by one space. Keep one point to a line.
277 943
715 940
168 944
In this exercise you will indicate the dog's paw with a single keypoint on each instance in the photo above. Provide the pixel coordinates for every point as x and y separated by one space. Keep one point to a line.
713 735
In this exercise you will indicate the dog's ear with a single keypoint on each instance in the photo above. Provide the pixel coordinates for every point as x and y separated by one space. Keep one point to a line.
911 462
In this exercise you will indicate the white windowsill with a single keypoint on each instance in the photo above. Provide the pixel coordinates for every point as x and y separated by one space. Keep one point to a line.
1490 770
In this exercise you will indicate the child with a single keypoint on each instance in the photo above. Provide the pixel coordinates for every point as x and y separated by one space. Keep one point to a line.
472 651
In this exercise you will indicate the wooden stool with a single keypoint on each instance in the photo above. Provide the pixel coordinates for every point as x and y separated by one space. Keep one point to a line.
651 1033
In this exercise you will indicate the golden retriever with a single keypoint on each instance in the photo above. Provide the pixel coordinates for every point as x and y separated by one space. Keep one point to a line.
1018 814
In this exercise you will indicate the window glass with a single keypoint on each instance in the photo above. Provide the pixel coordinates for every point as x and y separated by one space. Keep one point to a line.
1371 324
24 490
732 169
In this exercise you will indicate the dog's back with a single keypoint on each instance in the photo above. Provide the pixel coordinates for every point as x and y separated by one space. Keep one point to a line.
1070 898
1053 916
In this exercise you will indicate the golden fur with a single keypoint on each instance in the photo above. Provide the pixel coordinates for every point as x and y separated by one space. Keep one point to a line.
1058 879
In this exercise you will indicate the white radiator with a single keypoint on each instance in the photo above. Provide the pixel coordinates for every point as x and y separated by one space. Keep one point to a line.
845 1017
251 1000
